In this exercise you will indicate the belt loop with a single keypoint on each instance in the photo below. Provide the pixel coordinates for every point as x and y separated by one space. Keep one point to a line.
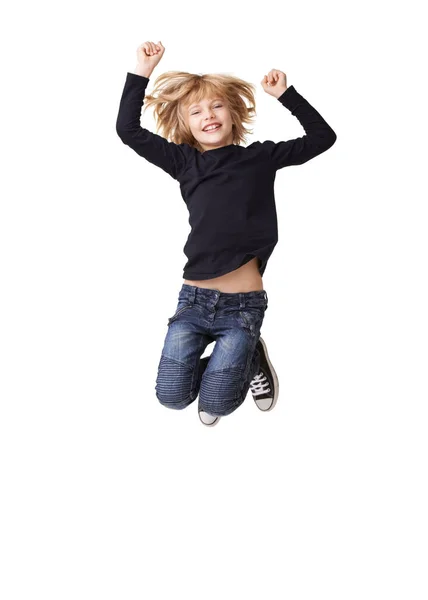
192 295
241 300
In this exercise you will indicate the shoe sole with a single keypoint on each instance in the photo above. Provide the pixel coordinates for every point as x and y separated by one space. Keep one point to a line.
274 376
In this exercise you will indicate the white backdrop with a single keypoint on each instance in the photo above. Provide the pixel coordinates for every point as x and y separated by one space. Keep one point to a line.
106 494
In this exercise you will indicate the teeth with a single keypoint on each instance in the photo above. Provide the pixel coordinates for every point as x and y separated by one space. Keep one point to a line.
209 128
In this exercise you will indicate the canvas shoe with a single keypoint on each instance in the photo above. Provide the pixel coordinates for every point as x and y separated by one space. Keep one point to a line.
207 419
265 386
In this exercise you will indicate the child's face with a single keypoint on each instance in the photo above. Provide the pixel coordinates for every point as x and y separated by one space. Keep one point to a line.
208 111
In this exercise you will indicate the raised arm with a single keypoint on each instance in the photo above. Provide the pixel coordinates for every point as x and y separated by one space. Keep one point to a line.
319 135
164 154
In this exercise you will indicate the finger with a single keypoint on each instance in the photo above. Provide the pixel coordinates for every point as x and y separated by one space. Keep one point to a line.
275 75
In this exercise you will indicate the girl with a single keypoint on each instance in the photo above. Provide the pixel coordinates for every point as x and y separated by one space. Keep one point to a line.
229 191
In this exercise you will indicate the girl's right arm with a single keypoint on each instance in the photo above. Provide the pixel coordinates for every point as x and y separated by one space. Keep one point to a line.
164 154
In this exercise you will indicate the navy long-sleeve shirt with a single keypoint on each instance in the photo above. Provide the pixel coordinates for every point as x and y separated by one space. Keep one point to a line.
229 191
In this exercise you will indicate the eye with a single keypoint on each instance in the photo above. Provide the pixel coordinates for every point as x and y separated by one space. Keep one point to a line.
216 106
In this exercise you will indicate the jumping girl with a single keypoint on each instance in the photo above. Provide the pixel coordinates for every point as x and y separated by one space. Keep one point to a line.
229 192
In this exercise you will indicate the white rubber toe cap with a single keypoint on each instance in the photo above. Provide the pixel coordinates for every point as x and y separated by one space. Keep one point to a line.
208 419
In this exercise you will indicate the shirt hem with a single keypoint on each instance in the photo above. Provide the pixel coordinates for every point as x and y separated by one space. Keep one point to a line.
240 263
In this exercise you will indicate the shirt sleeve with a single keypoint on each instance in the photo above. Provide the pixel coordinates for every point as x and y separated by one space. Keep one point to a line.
319 135
160 152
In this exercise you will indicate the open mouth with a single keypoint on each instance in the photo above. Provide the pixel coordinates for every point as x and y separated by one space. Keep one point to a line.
212 130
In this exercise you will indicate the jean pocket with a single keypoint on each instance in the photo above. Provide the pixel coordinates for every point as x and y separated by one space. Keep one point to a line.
181 307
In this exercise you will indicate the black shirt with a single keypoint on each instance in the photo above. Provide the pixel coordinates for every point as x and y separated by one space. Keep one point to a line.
229 191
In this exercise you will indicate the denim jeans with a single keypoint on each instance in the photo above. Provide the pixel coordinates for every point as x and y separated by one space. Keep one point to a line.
203 316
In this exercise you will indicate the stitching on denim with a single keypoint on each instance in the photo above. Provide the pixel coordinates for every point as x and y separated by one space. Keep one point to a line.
176 314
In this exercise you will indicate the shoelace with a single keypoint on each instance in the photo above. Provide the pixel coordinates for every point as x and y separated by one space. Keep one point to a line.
258 384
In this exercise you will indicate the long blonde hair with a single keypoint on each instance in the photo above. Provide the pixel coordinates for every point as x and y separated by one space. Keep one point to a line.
175 91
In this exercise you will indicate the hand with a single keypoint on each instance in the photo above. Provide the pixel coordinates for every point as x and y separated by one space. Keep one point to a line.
275 83
148 56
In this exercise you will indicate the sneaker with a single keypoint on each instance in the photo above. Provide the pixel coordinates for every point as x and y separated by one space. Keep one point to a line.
207 419
265 386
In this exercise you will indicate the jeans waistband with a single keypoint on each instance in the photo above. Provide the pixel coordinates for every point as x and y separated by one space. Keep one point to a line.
195 295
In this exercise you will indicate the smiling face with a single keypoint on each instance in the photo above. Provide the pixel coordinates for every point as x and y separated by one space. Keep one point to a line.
199 115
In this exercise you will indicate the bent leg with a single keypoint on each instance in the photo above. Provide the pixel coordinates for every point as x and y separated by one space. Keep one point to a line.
180 367
230 369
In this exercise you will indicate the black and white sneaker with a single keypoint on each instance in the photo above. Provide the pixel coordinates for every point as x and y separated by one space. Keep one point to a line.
207 419
265 386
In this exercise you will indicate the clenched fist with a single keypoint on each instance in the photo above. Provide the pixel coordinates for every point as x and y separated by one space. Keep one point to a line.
148 56
275 83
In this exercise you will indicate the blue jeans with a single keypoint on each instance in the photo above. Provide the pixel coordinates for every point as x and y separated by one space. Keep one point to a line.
222 380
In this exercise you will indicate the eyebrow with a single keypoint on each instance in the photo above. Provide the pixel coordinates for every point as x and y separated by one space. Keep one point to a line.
196 105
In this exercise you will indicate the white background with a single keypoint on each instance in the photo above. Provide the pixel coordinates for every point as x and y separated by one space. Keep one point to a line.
106 494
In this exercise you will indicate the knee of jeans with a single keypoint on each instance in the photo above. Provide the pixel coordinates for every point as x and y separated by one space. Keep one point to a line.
174 384
220 391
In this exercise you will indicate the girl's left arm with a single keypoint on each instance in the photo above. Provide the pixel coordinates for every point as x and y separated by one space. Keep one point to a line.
319 135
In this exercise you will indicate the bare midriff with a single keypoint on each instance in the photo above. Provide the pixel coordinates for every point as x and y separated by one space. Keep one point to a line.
244 279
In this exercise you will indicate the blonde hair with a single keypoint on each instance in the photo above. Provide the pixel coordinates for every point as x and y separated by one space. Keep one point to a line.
175 91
